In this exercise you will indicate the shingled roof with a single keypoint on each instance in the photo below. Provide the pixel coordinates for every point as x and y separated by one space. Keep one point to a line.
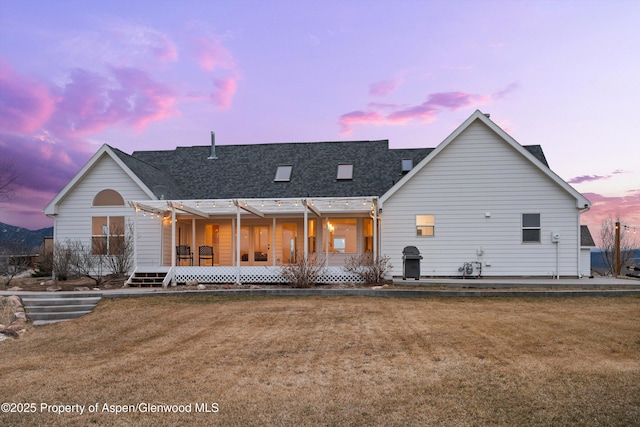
248 171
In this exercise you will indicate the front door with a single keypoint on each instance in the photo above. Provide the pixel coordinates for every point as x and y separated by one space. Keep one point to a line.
254 245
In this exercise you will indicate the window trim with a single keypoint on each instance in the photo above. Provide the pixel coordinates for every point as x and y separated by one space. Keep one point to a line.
108 197
431 224
530 228
106 234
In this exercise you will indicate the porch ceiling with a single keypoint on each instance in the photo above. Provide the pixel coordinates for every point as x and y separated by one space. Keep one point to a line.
208 208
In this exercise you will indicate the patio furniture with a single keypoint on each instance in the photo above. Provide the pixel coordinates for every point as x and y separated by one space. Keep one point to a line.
183 252
205 253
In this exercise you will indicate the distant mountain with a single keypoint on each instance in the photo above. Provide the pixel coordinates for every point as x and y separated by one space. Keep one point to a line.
21 238
597 258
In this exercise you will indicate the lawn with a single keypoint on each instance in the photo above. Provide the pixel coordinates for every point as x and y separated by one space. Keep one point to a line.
242 361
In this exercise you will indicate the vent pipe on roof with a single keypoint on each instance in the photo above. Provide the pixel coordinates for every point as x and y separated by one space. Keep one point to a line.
213 147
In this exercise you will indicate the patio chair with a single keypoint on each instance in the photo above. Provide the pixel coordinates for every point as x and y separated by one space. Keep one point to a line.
183 252
205 253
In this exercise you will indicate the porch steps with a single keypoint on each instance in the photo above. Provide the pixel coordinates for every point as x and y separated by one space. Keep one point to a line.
52 307
151 279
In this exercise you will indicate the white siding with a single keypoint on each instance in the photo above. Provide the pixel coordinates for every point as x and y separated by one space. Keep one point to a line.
585 261
476 174
75 210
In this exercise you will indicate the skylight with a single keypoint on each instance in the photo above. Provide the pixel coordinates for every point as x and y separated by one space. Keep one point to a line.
345 171
407 165
283 173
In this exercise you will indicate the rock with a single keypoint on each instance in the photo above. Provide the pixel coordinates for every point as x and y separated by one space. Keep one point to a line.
96 289
201 287
50 283
192 283
15 288
14 301
80 288
53 288
9 333
19 315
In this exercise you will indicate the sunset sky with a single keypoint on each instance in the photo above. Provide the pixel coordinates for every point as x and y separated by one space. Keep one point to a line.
158 74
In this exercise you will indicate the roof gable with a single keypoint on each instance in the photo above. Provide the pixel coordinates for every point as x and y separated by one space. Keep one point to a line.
105 150
532 153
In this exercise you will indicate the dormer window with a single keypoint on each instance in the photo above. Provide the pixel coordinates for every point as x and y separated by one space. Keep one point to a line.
283 173
345 171
407 165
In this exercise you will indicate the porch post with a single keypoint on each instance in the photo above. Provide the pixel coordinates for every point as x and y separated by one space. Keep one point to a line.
135 240
193 240
375 230
273 243
306 230
173 236
237 242
326 244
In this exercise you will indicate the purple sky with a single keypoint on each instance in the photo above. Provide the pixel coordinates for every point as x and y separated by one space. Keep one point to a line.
159 74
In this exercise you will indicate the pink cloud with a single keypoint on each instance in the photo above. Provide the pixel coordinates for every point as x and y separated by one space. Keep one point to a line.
91 102
143 100
211 54
349 120
224 90
626 208
383 87
425 112
25 104
589 178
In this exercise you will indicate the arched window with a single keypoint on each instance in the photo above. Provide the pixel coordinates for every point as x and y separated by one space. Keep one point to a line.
108 198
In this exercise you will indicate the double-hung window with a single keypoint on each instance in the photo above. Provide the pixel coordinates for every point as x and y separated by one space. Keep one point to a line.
531 228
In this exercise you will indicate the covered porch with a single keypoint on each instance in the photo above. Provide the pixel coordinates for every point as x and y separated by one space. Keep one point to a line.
249 240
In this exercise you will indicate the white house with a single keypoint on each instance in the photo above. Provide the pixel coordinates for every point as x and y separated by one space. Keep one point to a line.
479 200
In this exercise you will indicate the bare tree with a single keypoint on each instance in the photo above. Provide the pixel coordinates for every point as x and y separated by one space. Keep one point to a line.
8 179
628 244
120 259
85 262
15 258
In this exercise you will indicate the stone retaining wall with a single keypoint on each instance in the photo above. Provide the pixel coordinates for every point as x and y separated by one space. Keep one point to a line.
13 313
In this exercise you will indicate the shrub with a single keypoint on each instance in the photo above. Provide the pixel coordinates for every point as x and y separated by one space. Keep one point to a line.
370 270
304 272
